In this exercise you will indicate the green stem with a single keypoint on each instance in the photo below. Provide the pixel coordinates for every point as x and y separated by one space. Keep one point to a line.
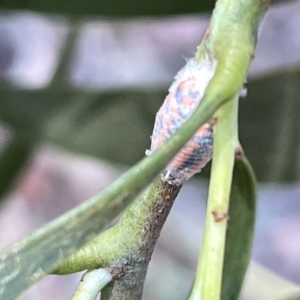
208 280
91 284
140 224
231 38
125 249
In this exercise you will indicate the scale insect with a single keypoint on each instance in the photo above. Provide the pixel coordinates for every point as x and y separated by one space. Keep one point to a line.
184 95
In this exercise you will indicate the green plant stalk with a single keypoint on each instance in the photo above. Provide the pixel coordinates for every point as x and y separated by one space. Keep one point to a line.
141 223
126 248
207 285
231 38
146 216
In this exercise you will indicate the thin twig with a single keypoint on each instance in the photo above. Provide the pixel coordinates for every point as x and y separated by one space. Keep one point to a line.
91 284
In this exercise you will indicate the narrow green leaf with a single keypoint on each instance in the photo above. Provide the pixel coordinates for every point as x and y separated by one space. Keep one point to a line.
240 229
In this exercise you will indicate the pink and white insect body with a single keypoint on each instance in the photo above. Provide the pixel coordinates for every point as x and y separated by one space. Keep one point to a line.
184 95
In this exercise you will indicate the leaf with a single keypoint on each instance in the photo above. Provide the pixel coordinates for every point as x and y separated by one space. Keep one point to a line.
112 7
240 230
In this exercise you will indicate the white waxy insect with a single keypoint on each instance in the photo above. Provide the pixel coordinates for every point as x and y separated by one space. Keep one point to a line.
184 95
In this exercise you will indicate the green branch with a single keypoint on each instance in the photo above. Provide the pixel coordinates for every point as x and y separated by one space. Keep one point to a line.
209 273
125 249
231 37
132 230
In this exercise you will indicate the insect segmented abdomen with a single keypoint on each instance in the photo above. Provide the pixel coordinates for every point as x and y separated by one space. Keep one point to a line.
184 96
